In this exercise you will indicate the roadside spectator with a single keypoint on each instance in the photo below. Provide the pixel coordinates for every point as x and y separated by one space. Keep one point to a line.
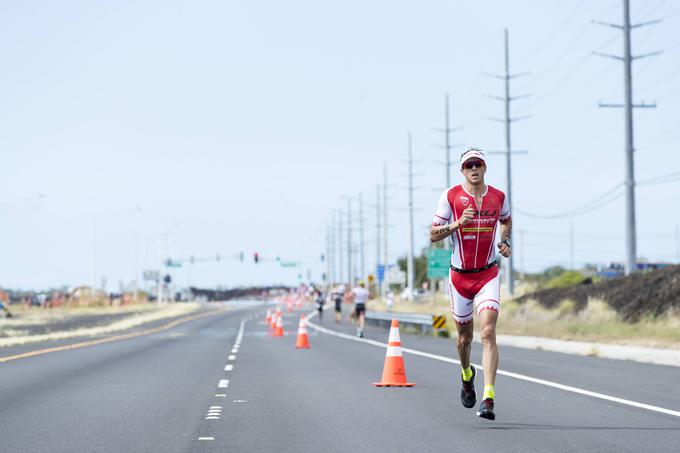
5 310
389 300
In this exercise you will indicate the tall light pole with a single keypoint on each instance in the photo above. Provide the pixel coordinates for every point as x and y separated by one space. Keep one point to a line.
377 237
508 120
627 59
410 267
385 210
362 263
350 277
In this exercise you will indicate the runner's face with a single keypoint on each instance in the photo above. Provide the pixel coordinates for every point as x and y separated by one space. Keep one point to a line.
474 170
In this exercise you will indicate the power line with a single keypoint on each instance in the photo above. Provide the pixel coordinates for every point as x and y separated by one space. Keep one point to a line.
671 177
606 198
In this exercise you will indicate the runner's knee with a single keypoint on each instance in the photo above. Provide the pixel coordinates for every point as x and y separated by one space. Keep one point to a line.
464 338
488 334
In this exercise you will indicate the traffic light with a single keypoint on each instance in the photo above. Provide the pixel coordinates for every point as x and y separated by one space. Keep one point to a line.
256 257
241 256
323 257
217 258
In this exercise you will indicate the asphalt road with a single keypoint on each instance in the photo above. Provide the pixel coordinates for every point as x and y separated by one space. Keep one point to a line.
221 383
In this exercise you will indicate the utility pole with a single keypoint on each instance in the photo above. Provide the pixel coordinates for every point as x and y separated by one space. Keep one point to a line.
384 206
326 281
377 236
350 277
362 263
341 267
410 267
508 120
627 59
447 142
448 146
331 251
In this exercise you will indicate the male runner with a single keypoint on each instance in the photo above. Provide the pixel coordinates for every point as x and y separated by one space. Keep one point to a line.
360 296
338 295
470 213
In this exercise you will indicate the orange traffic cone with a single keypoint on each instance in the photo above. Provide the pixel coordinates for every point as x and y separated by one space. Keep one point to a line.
275 316
302 338
394 374
278 332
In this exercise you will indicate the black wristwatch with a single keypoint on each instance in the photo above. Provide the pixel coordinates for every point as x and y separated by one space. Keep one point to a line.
506 242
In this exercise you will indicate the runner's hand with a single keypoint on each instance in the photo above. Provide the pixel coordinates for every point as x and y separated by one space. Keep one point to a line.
504 249
468 214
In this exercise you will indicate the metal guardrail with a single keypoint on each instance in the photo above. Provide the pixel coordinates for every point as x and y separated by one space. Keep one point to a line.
421 322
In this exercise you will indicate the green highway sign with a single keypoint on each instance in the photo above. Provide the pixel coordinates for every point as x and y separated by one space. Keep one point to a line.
438 262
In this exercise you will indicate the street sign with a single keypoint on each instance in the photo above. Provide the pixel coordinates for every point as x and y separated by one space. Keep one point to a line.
151 275
395 276
381 272
438 262
288 264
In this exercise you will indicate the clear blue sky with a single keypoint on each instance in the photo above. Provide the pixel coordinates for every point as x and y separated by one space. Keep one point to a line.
227 126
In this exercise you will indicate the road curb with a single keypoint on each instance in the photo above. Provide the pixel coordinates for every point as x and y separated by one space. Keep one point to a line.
656 356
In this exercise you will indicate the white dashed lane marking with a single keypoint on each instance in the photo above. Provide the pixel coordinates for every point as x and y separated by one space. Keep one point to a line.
232 357
223 384
214 413
229 367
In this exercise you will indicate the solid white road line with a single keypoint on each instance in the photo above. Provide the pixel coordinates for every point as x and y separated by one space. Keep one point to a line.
521 377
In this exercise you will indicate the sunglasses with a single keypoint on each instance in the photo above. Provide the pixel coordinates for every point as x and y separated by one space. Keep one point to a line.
469 165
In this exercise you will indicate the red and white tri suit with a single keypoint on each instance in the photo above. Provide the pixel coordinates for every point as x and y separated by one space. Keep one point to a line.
473 247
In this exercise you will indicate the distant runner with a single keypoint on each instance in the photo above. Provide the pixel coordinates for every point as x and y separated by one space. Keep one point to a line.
338 295
320 302
359 295
469 213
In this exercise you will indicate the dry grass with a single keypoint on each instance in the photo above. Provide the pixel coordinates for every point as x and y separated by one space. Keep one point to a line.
30 316
597 322
144 315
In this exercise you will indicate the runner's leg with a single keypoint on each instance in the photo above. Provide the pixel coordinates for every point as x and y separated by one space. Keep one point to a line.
488 306
488 320
461 307
465 332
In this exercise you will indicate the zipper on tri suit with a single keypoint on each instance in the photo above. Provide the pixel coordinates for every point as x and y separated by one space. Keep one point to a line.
479 219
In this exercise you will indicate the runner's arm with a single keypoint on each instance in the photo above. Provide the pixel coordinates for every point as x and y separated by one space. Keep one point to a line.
439 232
506 230
442 227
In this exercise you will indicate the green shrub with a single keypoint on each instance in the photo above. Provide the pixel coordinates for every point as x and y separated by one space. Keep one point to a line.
568 278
